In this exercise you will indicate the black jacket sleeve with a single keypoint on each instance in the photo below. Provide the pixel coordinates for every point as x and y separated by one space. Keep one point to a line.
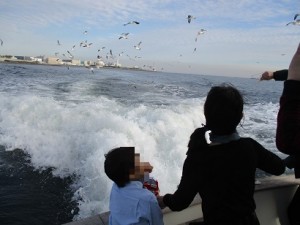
280 75
186 190
268 161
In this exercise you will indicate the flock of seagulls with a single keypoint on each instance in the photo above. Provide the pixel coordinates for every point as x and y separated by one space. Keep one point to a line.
200 32
110 55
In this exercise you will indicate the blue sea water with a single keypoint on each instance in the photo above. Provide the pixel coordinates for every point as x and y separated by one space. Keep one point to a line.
56 124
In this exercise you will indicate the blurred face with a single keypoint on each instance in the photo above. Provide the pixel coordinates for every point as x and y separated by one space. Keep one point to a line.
140 168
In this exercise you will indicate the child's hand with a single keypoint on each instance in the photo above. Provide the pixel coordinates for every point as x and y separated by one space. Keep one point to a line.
146 167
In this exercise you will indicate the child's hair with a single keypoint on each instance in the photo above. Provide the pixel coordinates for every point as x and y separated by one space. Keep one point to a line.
119 163
223 109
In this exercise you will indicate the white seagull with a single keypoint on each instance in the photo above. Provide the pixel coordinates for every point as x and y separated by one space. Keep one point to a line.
296 22
202 31
190 17
70 55
138 46
131 22
124 35
99 50
86 45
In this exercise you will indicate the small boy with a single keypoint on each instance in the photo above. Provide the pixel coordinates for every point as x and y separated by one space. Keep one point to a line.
130 203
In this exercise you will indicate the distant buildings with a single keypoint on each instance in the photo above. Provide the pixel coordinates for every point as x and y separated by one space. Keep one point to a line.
51 60
54 60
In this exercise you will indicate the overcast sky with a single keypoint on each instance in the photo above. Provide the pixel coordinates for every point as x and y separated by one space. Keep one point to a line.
242 38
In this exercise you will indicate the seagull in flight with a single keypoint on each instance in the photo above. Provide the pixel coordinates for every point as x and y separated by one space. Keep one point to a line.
124 35
58 43
295 17
99 50
296 22
190 17
131 22
202 31
70 55
85 32
1 42
86 45
138 46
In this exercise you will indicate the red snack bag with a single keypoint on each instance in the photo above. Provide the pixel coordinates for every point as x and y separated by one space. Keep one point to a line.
152 185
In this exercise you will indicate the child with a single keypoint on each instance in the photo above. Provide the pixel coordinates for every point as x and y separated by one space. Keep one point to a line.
130 203
220 165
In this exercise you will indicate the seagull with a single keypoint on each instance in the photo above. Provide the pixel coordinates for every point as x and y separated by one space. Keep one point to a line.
1 42
202 31
85 32
124 35
58 43
70 55
86 45
99 50
194 50
190 17
138 46
131 22
296 22
73 47
295 17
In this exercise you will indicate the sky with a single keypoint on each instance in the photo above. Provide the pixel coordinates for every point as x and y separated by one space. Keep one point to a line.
242 38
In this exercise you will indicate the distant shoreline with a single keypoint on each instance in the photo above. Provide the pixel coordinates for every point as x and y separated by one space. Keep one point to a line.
7 61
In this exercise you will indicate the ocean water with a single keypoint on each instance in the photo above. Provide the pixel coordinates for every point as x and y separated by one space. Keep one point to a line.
56 124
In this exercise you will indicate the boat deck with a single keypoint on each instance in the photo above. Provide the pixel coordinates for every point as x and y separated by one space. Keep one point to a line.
272 196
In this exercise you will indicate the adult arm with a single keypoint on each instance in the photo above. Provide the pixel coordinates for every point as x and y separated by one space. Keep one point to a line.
268 161
186 190
279 75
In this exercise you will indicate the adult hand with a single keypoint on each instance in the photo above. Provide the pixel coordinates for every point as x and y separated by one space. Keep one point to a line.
161 202
267 75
